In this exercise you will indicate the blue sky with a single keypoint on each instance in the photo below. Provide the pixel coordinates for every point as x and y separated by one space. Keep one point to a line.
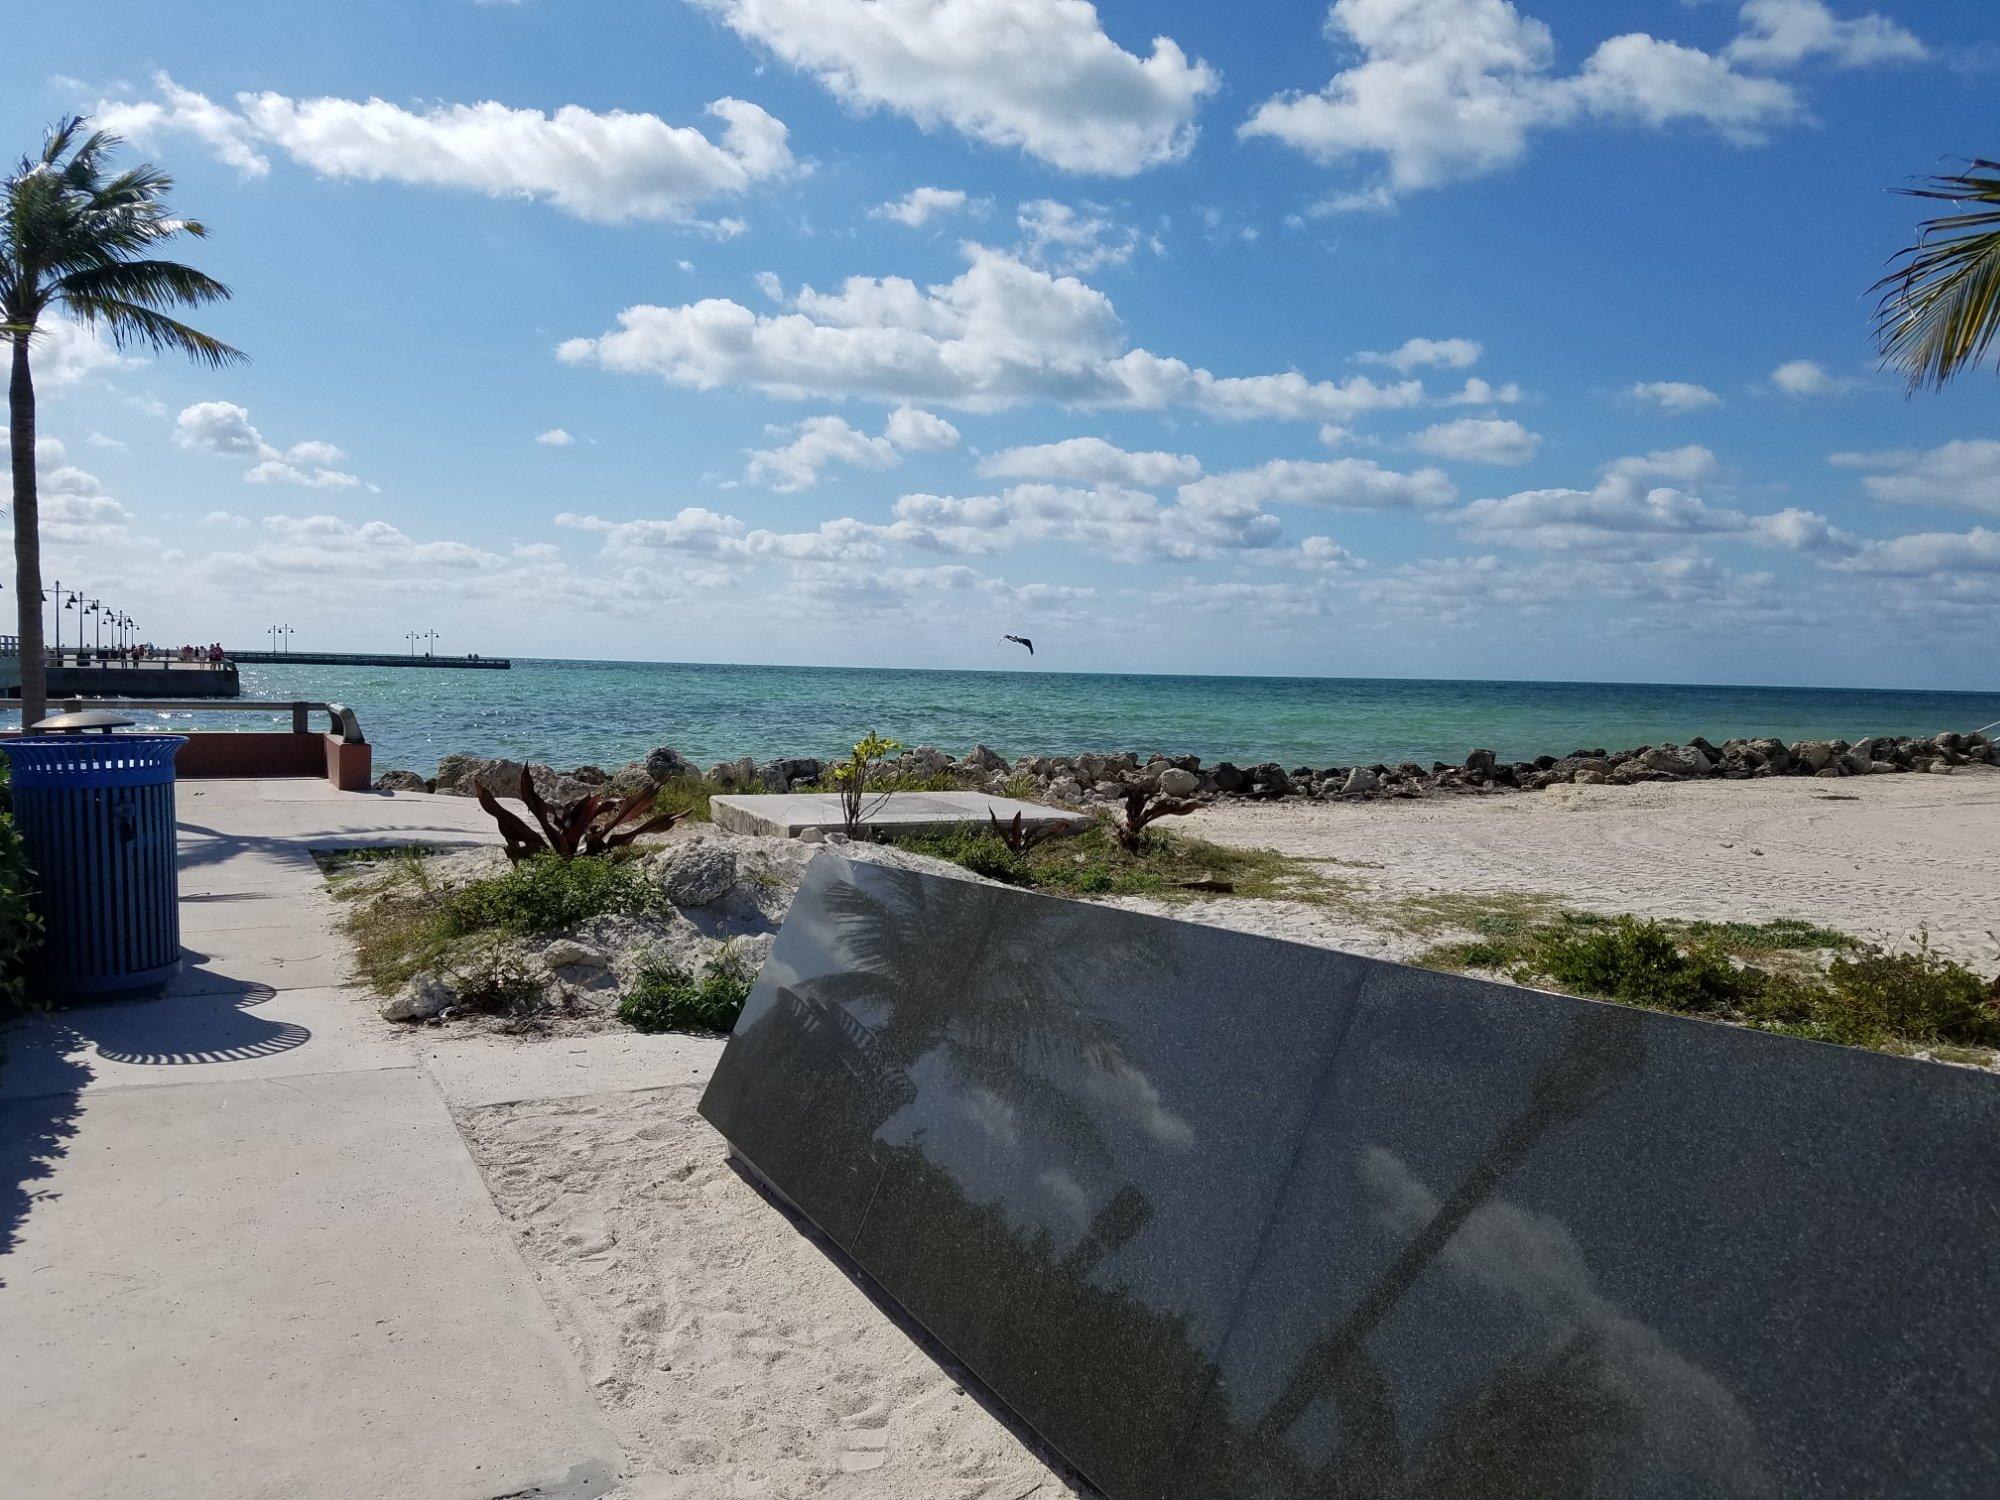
1400 337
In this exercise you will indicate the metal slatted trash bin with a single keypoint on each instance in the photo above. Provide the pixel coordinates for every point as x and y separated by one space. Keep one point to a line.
96 817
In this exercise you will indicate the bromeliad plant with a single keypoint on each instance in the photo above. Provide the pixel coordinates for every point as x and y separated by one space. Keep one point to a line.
1143 805
591 825
850 779
1019 837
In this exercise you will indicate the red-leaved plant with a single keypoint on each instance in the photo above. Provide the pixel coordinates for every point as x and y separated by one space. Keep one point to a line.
590 825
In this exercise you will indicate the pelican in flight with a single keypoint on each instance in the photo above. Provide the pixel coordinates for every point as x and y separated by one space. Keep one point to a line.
1021 640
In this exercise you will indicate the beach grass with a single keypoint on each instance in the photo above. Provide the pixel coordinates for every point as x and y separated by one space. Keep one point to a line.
1787 976
402 925
665 997
1091 862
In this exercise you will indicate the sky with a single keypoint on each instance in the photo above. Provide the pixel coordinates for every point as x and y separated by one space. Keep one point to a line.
1411 338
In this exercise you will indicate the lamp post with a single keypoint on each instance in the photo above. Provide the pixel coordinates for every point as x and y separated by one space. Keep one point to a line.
430 639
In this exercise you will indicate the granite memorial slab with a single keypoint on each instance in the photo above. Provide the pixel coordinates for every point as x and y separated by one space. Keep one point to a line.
1219 1215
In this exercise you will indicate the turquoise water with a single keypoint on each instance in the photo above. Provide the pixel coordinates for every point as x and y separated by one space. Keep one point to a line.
571 713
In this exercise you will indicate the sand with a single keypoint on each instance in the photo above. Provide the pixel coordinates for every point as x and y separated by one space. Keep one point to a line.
733 1355
737 1357
1885 858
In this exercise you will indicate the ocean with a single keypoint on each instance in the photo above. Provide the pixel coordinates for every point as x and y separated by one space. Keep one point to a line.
570 713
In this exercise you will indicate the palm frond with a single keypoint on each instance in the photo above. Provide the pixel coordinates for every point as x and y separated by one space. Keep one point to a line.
128 323
1940 303
149 281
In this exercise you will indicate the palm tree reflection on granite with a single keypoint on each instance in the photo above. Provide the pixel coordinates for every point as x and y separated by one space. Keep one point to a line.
1538 1426
1004 1006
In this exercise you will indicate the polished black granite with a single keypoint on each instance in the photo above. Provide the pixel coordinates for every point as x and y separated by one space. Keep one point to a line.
1224 1216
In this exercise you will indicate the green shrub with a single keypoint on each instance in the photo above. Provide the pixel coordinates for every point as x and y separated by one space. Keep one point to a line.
1878 996
665 997
549 894
20 921
1642 963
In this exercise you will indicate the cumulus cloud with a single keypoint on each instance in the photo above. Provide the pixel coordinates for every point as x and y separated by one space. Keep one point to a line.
1928 555
919 206
917 431
1123 523
1451 89
1003 333
66 352
1962 475
1091 460
1627 513
815 444
701 532
818 443
1779 33
1803 380
1037 75
1449 354
224 428
605 167
1331 484
1674 397
1072 241
1479 440
74 504
555 437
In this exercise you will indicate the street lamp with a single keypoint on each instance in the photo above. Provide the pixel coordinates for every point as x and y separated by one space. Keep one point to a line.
430 637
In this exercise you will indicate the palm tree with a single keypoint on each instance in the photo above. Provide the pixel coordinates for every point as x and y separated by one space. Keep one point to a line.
1940 308
74 237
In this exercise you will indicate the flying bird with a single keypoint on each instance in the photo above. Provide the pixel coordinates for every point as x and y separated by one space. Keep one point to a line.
1021 640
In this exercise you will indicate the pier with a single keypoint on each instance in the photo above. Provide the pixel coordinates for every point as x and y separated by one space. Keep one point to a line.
371 659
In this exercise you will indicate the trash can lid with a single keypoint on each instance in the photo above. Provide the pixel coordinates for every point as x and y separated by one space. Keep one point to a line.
97 718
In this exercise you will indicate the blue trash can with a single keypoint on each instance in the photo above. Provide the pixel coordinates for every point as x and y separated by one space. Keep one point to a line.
96 817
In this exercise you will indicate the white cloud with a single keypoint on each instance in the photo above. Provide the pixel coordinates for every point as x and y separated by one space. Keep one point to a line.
1091 460
1477 392
555 437
65 352
104 440
608 168
1802 379
917 431
225 518
999 335
1073 243
1626 514
701 532
920 205
1674 397
1039 75
224 428
816 443
1331 484
1123 523
1779 33
1449 354
1478 440
1452 89
1962 475
1929 554
228 136
73 504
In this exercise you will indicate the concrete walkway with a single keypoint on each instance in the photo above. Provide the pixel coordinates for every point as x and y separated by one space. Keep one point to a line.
243 1249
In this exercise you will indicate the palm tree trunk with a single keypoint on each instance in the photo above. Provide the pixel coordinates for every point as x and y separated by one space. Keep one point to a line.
27 536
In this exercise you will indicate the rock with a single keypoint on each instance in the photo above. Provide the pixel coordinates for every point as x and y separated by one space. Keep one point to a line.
401 781
1228 778
811 835
590 776
697 873
629 778
566 953
1175 782
1814 755
1360 782
425 996
1065 789
772 778
1939 768
1676 760
1829 773
665 763
980 759
1592 778
1482 761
